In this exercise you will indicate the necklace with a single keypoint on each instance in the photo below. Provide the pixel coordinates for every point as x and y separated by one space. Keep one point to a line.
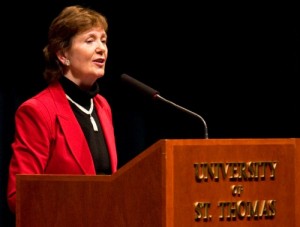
89 112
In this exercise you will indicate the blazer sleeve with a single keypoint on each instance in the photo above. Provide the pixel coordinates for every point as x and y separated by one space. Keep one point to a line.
31 144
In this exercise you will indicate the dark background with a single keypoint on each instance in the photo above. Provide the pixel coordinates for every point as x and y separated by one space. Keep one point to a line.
235 64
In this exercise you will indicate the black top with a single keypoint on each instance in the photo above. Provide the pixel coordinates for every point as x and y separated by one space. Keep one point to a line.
95 139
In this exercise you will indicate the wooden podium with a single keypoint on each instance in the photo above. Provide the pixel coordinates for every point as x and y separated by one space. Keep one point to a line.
175 183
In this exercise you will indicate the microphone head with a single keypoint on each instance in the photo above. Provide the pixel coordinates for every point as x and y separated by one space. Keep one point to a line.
139 86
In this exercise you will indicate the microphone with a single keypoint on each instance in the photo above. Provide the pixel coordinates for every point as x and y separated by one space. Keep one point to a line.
139 86
155 95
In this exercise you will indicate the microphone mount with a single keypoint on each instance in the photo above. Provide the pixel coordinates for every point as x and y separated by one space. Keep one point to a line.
157 96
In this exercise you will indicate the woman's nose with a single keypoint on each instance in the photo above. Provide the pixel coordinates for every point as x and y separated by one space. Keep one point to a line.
101 47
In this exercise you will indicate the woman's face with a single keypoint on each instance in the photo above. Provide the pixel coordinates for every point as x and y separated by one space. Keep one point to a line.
87 56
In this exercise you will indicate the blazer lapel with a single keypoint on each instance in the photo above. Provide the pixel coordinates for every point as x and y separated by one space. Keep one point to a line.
108 132
75 138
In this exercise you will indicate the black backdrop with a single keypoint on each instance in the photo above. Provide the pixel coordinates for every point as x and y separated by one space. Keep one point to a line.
235 64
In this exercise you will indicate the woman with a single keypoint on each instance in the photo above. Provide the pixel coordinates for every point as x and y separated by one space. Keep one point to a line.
67 128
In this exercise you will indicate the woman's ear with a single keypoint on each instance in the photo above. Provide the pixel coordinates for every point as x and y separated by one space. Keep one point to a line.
62 58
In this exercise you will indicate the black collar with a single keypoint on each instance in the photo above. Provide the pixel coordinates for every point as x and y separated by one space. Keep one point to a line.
80 96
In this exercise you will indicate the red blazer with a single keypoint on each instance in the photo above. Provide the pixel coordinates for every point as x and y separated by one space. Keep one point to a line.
49 140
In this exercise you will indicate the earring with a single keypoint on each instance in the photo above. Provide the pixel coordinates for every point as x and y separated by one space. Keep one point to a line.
67 62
